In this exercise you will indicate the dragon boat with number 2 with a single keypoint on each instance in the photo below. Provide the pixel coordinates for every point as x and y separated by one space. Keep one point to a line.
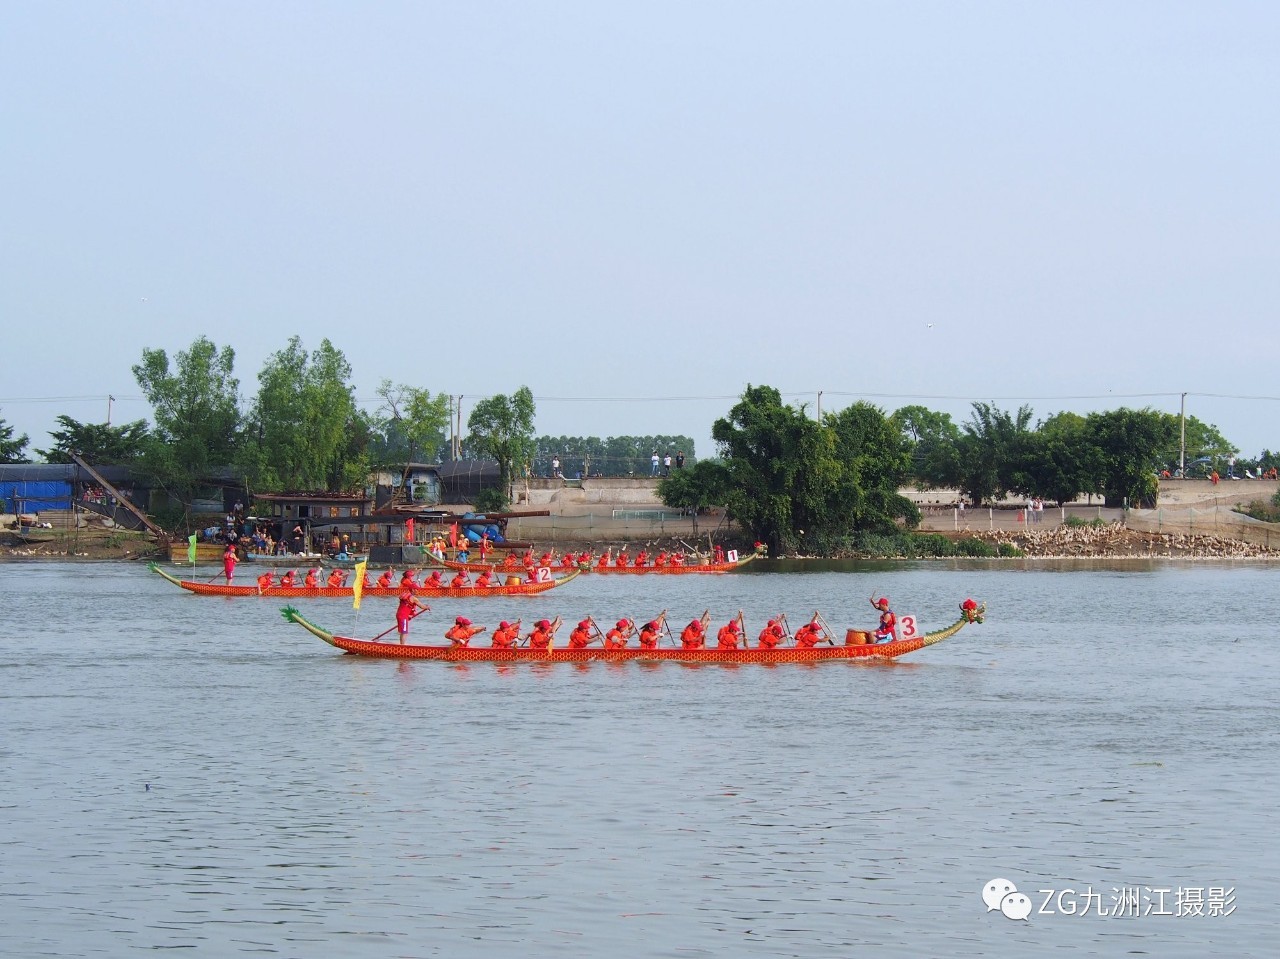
305 592
855 648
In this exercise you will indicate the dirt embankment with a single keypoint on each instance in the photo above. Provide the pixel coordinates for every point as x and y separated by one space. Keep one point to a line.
1114 540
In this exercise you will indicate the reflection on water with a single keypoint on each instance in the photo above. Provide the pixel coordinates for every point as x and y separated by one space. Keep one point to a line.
186 772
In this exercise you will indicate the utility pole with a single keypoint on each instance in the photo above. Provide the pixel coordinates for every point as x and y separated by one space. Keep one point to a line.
110 400
1182 448
819 406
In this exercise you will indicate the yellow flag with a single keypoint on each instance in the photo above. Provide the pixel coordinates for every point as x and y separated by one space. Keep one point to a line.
357 588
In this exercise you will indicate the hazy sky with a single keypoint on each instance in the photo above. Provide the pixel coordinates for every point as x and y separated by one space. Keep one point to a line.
638 209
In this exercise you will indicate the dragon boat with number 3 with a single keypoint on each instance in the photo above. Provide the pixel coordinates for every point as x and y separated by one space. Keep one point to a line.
857 647
303 592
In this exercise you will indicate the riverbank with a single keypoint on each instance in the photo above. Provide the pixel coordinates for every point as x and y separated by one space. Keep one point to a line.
620 513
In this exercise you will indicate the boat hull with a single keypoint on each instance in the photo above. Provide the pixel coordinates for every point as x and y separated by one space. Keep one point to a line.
305 592
864 652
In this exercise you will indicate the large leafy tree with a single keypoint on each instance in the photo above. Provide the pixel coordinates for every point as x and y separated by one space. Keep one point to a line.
98 443
1131 445
932 440
303 421
781 465
413 423
875 462
196 413
501 427
1064 460
993 452
11 447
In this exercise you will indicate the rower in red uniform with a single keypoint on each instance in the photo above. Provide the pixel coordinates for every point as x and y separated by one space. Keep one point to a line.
408 608
511 561
366 583
660 559
728 636
461 631
506 635
434 581
810 634
287 580
384 581
313 579
887 631
617 637
584 558
606 559
650 633
409 580
337 579
642 558
266 580
677 559
694 635
581 637
623 559
543 635
485 578
567 561
719 550
547 558
771 636
460 580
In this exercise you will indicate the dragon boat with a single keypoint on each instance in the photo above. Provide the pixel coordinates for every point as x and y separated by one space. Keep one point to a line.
472 566
855 648
207 588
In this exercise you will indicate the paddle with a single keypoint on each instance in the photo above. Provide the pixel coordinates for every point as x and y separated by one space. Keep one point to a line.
742 628
825 628
596 626
786 630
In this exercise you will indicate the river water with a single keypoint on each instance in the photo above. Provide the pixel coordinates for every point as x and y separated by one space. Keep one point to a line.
182 772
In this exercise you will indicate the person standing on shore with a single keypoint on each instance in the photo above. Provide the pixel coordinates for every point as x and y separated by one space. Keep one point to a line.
653 463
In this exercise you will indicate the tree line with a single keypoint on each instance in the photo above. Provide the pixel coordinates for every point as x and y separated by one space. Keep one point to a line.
797 483
303 431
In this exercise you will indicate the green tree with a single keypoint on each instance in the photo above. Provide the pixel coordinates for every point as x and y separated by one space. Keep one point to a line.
416 419
196 413
98 443
1131 445
781 465
706 483
1065 461
932 440
11 447
501 427
875 461
303 420
993 453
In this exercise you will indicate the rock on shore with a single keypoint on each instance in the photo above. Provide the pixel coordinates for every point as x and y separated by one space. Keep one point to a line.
1114 540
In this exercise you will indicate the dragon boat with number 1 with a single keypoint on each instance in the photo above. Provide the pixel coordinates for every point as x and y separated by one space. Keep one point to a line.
471 566
855 648
301 592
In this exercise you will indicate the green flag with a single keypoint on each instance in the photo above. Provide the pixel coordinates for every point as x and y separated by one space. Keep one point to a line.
191 549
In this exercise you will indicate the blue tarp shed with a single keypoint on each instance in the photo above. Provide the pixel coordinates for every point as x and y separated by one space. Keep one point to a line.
32 487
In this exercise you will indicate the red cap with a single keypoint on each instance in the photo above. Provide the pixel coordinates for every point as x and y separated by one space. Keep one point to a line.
544 623
462 621
585 624
622 624
504 625
882 602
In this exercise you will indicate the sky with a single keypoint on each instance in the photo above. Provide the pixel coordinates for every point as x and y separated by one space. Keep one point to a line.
638 210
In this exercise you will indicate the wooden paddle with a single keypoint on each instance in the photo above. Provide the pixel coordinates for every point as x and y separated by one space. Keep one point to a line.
825 628
742 628
787 635
599 632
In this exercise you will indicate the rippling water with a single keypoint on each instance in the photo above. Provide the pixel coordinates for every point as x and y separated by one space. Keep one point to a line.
189 772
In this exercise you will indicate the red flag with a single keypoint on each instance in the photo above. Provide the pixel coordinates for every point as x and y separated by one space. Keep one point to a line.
408 530
453 535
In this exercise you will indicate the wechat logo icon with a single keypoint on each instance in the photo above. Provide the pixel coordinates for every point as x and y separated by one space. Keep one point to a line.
1003 895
